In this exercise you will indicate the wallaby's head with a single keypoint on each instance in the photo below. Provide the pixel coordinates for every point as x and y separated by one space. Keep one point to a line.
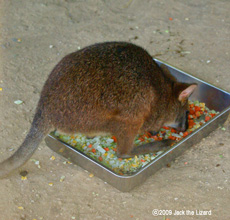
178 104
182 91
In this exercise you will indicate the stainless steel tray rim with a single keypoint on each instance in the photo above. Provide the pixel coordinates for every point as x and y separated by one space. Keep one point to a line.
191 76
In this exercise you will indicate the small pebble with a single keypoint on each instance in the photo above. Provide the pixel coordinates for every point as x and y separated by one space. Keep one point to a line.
208 61
24 173
186 19
51 46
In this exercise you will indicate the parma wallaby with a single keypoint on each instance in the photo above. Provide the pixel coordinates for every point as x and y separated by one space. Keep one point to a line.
112 87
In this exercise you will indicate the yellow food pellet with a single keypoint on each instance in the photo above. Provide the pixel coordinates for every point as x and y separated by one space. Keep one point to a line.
105 154
91 175
202 105
0 89
111 155
23 178
20 207
69 162
61 150
52 158
74 141
50 184
19 40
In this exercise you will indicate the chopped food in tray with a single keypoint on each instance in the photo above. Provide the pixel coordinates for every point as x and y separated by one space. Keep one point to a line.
103 148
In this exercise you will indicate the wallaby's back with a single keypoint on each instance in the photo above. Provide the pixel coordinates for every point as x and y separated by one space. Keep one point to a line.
109 80
113 87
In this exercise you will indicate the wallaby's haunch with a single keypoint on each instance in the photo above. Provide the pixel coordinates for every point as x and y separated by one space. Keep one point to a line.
113 87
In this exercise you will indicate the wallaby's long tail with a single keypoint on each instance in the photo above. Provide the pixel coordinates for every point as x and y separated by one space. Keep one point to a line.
25 151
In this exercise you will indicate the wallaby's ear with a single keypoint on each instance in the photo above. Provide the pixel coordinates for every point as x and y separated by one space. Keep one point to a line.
167 73
185 93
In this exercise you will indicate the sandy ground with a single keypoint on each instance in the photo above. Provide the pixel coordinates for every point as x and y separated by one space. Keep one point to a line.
36 34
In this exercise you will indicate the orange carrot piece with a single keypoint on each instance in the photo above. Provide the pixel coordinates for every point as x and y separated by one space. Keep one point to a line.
207 118
100 158
114 139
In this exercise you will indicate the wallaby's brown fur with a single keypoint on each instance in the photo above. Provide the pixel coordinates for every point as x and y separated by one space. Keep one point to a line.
113 87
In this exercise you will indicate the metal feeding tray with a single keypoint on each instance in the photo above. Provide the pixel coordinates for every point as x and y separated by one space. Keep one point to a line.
213 97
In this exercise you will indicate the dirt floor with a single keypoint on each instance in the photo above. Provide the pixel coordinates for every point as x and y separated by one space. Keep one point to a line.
36 34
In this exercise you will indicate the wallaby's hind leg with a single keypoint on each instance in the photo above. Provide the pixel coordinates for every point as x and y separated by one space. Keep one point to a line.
152 147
